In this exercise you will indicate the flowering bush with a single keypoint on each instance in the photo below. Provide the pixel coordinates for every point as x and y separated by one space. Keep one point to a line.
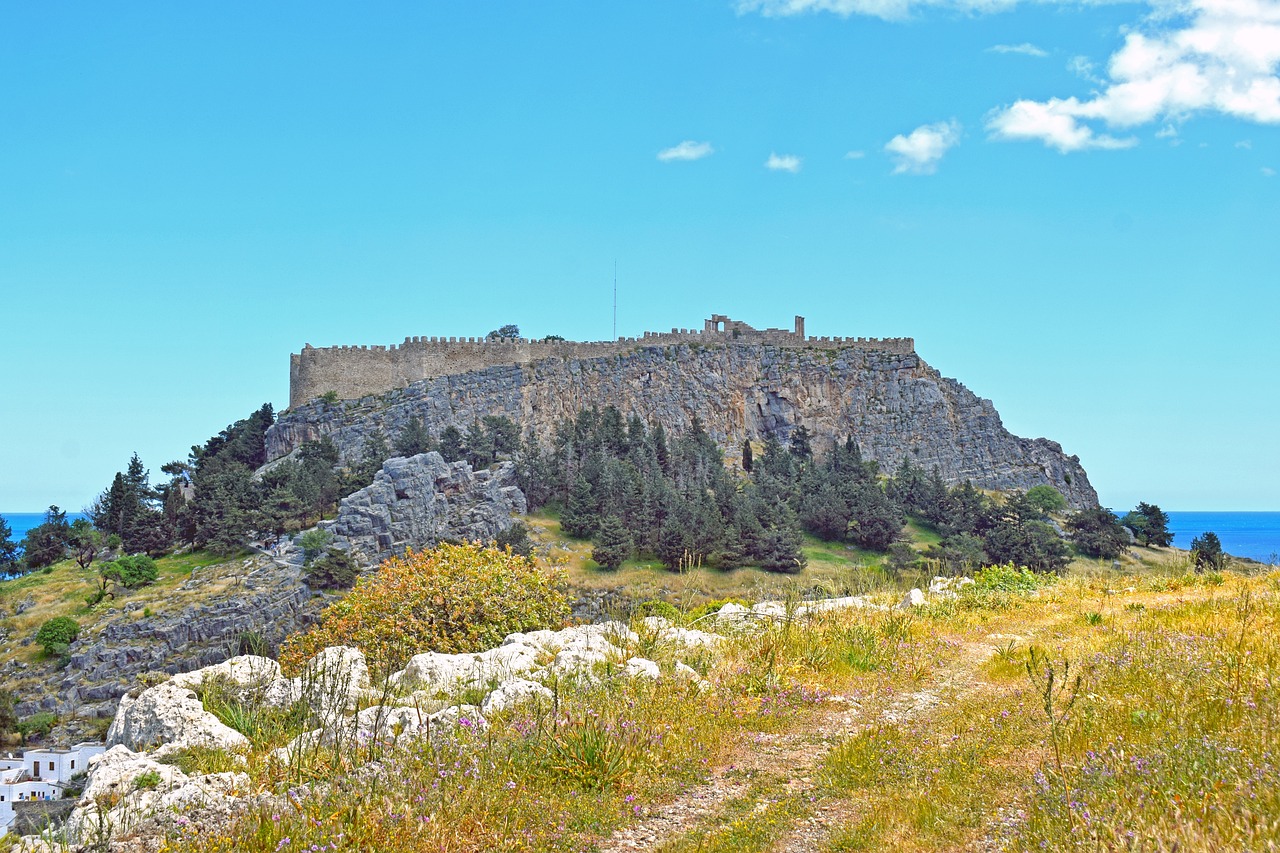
454 598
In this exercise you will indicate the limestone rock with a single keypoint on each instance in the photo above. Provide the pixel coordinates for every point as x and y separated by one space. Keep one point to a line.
171 716
435 671
642 668
131 783
914 598
415 502
514 692
334 681
245 671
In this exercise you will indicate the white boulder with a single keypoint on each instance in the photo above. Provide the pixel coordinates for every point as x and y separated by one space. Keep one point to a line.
914 598
642 668
170 715
513 692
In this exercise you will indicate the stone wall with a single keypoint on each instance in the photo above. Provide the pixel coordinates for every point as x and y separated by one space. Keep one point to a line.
353 372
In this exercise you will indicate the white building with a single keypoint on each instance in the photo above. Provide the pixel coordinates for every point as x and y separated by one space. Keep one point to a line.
40 774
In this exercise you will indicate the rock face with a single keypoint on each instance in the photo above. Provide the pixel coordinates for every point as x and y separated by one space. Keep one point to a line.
893 404
254 599
417 501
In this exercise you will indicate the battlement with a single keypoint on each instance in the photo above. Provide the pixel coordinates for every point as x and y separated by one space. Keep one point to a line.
353 372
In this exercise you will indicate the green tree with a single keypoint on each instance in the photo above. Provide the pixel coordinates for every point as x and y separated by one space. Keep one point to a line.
131 572
1149 524
1098 533
613 543
337 569
9 550
8 711
411 441
579 518
452 446
57 634
801 442
314 542
85 541
1046 499
46 543
1206 550
747 461
509 332
515 537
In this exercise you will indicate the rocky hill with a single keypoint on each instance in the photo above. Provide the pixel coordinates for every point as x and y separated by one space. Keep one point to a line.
894 405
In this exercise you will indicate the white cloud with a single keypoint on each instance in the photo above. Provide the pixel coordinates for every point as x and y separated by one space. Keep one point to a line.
1083 67
1053 123
783 163
687 150
1246 144
1190 56
1167 132
919 152
1026 49
1268 171
855 155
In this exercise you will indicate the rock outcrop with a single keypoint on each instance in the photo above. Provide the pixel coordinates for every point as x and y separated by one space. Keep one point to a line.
893 404
254 601
419 500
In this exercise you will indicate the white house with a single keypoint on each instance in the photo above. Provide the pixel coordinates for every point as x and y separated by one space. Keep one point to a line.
40 774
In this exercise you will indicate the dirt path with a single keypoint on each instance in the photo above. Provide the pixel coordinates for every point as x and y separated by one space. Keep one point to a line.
771 766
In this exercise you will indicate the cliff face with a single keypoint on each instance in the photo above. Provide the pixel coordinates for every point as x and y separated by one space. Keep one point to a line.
423 499
893 404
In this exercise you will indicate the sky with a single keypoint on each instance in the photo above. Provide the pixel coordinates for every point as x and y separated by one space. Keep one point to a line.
1073 207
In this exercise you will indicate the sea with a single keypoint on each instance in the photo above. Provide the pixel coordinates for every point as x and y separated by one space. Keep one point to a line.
21 522
1255 535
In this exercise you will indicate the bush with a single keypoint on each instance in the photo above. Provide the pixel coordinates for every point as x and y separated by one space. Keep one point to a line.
655 607
314 542
57 634
37 724
131 572
337 569
1009 578
455 598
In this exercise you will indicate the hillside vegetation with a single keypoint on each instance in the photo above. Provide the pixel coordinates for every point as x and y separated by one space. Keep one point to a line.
1026 712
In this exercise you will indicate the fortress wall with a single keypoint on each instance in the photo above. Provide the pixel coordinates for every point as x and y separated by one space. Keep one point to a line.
353 372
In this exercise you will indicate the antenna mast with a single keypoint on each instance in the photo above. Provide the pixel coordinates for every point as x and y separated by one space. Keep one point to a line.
615 299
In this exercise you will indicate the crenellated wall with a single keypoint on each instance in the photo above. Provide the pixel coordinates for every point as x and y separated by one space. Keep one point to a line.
353 372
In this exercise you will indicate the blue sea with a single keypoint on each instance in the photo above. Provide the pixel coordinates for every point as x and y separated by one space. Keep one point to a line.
1255 535
21 522
1244 534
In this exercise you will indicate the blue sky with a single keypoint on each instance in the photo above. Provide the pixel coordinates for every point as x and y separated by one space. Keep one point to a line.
1072 207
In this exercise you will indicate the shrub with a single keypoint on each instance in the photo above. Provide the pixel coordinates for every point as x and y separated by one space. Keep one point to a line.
455 598
655 607
314 542
131 572
337 569
37 724
58 633
1009 578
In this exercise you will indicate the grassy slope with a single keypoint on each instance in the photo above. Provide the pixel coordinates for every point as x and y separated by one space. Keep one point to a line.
862 730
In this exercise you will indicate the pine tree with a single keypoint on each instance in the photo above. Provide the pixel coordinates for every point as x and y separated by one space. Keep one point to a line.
613 543
411 441
452 446
579 517
8 548
747 461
